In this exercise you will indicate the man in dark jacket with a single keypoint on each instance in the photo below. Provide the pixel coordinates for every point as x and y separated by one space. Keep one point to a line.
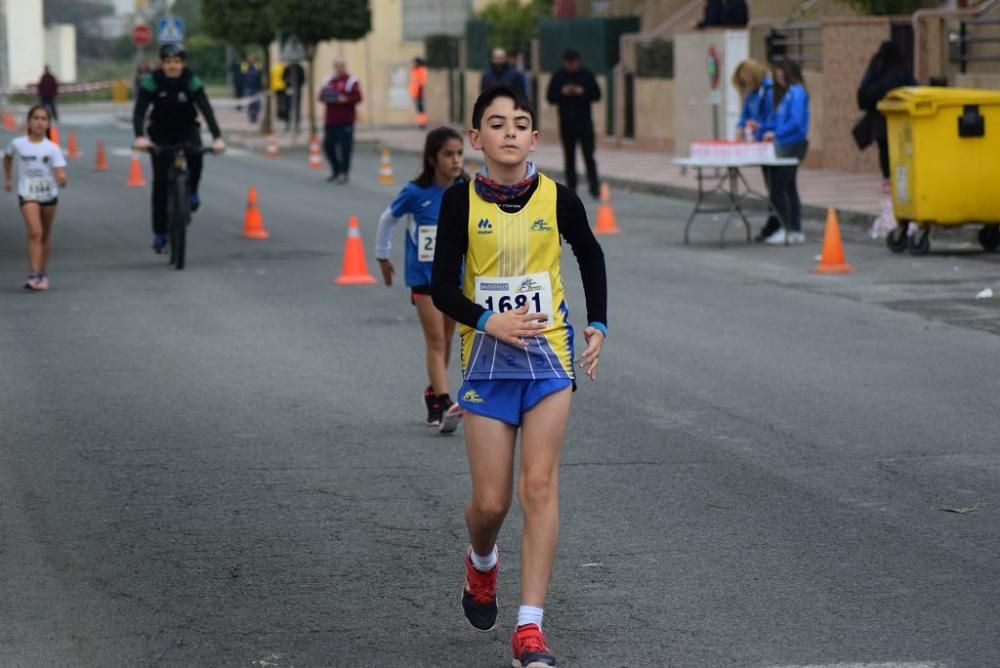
500 72
294 77
48 88
574 89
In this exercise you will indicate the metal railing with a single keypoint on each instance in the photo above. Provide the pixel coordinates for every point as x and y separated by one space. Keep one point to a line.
972 42
922 31
801 42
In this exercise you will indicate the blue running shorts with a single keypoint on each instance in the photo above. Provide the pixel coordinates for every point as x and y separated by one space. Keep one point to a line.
507 400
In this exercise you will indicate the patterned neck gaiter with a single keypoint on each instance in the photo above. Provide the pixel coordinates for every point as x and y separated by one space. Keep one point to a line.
494 192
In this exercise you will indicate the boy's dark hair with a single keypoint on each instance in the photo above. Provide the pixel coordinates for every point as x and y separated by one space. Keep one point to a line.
485 99
435 141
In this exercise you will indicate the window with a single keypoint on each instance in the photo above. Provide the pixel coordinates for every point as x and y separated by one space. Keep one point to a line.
434 17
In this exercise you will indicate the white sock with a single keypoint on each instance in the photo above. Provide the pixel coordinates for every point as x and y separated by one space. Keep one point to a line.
483 564
529 614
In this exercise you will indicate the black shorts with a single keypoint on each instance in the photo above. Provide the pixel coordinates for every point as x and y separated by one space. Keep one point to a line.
419 290
21 202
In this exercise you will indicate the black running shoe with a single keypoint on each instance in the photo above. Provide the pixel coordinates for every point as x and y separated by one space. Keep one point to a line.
434 409
479 598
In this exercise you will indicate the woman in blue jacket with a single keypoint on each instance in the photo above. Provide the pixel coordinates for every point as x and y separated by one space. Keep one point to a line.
757 91
750 78
789 130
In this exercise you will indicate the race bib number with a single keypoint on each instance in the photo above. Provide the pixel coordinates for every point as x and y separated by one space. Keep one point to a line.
504 294
426 238
38 190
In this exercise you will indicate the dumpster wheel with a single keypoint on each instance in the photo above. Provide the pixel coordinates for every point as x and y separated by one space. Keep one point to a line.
920 241
989 237
896 239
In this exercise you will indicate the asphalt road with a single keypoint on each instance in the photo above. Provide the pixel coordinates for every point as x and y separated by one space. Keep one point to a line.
225 466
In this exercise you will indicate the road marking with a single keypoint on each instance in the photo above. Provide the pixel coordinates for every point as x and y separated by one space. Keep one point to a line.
894 664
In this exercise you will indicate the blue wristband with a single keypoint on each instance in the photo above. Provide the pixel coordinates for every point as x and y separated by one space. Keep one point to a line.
481 323
600 327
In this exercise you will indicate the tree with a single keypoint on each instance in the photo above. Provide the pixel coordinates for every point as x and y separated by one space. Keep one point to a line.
315 21
243 23
513 25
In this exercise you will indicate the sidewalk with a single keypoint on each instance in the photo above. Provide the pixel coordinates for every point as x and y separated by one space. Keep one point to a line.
856 196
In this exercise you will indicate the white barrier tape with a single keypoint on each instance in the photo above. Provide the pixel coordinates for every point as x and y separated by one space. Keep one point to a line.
32 89
227 103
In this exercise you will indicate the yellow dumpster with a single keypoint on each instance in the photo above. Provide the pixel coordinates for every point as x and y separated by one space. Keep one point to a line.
944 152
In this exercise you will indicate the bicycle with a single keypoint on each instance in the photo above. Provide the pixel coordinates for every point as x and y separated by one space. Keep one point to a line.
178 198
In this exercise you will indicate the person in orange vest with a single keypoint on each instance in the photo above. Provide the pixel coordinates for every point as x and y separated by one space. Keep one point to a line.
418 78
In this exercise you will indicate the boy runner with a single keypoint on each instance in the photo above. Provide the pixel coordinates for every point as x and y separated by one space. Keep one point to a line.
517 349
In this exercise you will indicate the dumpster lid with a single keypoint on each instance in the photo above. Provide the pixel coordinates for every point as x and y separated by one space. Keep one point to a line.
928 98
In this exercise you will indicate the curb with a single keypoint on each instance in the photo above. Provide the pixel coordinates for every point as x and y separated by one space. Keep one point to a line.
859 219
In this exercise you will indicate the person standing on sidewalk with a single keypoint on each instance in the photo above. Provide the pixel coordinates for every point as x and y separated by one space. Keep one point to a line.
418 79
48 89
887 70
574 89
278 87
500 73
251 87
294 77
790 134
757 90
341 92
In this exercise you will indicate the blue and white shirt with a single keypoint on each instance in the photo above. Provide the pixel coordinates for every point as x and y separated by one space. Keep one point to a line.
420 206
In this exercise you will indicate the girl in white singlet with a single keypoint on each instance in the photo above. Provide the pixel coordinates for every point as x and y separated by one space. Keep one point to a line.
41 171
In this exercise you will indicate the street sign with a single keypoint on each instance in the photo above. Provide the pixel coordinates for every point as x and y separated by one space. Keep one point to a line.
291 47
141 35
170 30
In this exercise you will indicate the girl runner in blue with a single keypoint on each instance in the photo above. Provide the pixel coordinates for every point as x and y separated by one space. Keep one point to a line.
420 202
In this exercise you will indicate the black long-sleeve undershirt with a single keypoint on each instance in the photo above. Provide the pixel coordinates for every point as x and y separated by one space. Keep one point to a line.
453 242
199 99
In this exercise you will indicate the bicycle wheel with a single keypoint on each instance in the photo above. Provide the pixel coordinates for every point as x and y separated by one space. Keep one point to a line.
178 219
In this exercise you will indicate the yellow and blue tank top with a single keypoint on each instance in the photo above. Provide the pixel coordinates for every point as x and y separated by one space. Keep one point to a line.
513 259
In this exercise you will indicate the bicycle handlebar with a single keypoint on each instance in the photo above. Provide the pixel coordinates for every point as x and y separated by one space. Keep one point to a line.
187 148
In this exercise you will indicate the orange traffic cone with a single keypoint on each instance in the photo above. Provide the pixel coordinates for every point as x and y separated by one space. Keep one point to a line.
314 156
832 260
272 146
422 120
354 270
606 214
73 150
54 134
101 161
385 176
9 124
253 222
135 177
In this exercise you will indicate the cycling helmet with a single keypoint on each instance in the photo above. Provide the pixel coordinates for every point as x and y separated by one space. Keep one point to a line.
172 51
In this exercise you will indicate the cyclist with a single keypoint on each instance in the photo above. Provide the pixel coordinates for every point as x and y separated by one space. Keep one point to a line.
176 94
